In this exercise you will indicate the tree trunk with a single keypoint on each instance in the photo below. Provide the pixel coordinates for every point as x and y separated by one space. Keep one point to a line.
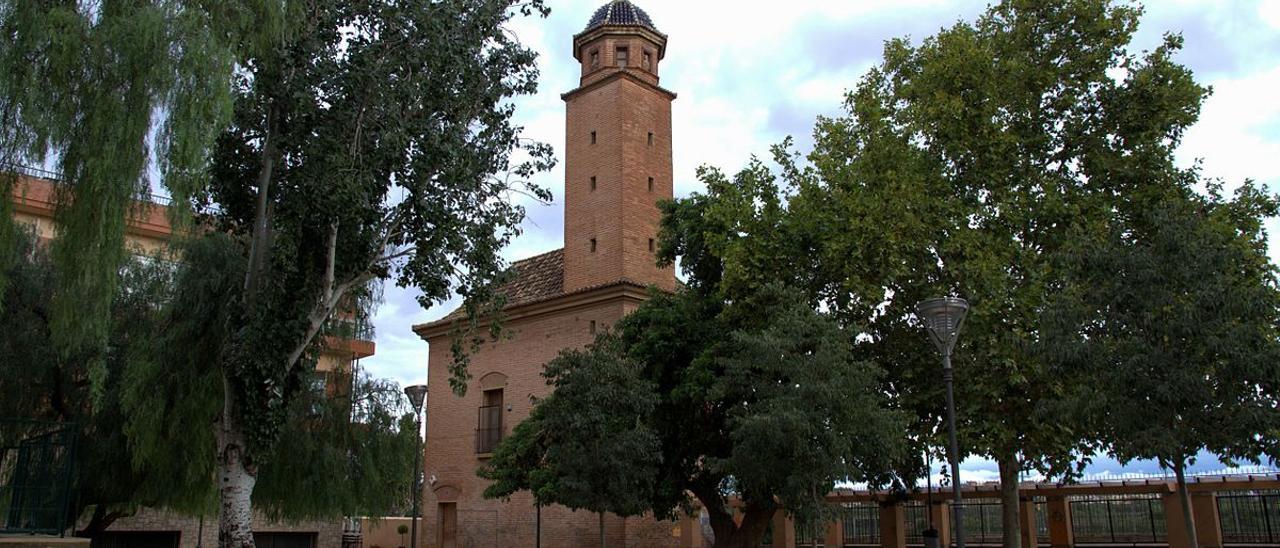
1009 501
602 544
101 520
747 535
1185 498
237 475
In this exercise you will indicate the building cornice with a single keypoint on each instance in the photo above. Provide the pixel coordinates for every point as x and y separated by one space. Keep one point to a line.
620 290
620 74
583 38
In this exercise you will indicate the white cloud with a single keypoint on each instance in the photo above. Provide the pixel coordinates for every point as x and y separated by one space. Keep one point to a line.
1269 12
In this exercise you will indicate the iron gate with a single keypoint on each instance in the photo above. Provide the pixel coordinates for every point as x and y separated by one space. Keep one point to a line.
37 460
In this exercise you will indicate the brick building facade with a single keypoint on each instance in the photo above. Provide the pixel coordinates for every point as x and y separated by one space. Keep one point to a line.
617 167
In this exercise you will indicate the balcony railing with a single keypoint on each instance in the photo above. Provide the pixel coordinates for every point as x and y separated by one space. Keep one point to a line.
489 429
360 330
41 173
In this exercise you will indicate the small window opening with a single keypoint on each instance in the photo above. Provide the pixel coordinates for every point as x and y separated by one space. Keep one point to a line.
645 61
650 138
593 183
595 58
651 245
593 327
593 245
621 56
650 184
593 137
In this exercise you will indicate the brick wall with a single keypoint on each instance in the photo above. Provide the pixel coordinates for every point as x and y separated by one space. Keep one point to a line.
328 533
622 107
514 363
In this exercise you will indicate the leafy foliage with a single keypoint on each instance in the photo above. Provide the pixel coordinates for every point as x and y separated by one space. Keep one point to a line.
145 440
762 399
38 382
584 446
1183 337
85 86
332 181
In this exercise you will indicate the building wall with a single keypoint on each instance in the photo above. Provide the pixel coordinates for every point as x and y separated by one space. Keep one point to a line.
514 363
192 534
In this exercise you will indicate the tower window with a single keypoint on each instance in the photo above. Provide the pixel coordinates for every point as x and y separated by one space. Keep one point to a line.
595 58
650 245
650 138
593 245
621 57
593 327
645 60
593 137
650 184
593 183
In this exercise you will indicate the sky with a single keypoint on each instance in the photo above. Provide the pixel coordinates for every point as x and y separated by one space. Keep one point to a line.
749 73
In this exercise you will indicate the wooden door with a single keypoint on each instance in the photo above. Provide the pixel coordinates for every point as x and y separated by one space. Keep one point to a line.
448 526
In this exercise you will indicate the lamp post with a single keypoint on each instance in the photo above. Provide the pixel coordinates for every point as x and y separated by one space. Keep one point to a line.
417 395
943 317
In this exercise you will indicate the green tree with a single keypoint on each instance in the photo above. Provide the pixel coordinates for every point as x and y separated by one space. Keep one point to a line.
969 164
368 140
38 382
86 86
762 399
1183 332
584 446
374 142
144 440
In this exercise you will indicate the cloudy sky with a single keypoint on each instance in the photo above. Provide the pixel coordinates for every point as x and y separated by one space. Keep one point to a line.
751 72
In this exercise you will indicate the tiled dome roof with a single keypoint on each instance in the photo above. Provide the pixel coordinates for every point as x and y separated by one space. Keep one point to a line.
620 12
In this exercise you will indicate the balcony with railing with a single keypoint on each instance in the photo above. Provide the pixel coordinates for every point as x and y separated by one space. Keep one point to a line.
349 336
56 177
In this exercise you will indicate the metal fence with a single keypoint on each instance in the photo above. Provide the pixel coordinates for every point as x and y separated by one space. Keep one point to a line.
915 517
860 526
983 521
1118 519
37 461
860 523
1250 517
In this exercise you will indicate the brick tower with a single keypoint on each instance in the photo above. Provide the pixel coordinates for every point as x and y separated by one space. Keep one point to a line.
617 167
617 152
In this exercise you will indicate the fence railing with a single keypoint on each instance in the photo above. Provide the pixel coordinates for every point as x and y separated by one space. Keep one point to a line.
860 524
1249 517
41 173
37 461
1118 519
489 428
982 521
360 330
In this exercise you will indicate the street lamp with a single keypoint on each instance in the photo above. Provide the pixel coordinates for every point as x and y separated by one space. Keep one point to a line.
417 395
944 317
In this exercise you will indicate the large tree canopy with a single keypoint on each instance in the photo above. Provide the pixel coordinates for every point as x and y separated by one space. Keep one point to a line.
368 140
144 438
375 142
1181 330
98 89
762 399
968 164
